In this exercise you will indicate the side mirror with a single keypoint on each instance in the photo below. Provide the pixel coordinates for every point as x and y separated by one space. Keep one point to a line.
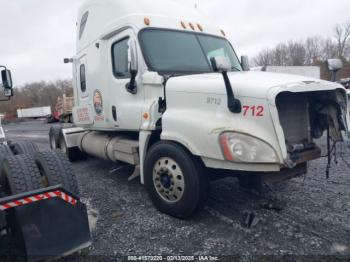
131 87
220 64
334 65
245 63
6 79
8 92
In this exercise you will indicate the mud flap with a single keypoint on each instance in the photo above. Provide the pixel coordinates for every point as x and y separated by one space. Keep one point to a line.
50 228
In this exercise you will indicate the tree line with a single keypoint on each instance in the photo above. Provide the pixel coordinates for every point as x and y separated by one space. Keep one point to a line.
310 51
36 94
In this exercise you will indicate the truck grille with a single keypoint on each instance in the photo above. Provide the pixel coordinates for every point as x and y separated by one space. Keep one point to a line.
294 117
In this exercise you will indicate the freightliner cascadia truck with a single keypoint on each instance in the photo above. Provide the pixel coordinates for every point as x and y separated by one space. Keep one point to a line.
159 86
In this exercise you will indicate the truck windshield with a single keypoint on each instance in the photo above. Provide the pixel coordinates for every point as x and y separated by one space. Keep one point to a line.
176 52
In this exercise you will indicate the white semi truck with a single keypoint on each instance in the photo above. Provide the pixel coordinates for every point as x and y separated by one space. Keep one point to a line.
160 87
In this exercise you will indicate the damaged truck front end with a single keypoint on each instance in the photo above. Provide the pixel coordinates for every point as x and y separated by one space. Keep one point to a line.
305 114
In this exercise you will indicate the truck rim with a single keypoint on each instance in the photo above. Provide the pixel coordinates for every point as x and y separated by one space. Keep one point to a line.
168 180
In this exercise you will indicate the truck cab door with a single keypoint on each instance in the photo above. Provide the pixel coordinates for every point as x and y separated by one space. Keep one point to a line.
81 83
82 110
125 106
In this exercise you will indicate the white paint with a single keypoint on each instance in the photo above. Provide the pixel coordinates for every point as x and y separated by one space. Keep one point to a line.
189 119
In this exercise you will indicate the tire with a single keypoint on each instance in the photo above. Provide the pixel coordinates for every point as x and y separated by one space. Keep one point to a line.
66 119
21 175
49 119
54 137
57 169
74 153
71 120
168 166
24 147
5 151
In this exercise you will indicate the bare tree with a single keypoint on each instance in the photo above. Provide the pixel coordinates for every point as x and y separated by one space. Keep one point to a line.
342 36
313 48
37 94
329 49
280 55
297 53
264 58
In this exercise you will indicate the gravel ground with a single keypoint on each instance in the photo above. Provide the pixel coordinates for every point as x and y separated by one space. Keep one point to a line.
314 220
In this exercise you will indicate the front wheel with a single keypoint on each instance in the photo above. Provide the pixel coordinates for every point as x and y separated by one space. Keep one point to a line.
176 181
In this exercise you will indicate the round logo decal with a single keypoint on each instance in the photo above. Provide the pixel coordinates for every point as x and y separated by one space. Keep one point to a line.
98 102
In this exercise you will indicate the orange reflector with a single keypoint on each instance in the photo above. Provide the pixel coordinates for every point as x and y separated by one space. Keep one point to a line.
147 21
225 148
200 27
192 26
145 115
183 25
223 32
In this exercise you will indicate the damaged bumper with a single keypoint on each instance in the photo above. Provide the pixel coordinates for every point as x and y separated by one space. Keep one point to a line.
304 113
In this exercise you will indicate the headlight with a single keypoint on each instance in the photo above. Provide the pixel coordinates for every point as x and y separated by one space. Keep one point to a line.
243 148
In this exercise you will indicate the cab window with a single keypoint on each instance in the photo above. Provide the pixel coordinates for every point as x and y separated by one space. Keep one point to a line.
83 24
120 59
82 78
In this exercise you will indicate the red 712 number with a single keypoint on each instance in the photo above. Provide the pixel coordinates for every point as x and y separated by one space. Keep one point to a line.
255 111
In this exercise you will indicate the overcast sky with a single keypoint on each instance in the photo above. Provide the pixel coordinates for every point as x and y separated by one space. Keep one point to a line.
35 35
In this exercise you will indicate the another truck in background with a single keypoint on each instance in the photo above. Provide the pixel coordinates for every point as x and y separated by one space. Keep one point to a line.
62 111
34 112
64 108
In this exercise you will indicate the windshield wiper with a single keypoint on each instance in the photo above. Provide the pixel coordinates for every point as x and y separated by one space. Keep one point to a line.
236 69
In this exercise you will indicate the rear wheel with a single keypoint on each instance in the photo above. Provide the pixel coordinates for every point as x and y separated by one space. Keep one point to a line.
21 175
5 151
66 119
71 118
24 147
72 153
57 170
54 137
176 182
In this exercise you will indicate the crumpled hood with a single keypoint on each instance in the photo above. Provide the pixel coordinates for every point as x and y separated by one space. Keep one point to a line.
247 84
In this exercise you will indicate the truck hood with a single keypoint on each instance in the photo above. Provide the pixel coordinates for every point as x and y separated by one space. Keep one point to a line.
248 84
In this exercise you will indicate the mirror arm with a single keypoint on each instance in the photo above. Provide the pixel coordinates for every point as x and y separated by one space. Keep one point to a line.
334 75
131 87
233 104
